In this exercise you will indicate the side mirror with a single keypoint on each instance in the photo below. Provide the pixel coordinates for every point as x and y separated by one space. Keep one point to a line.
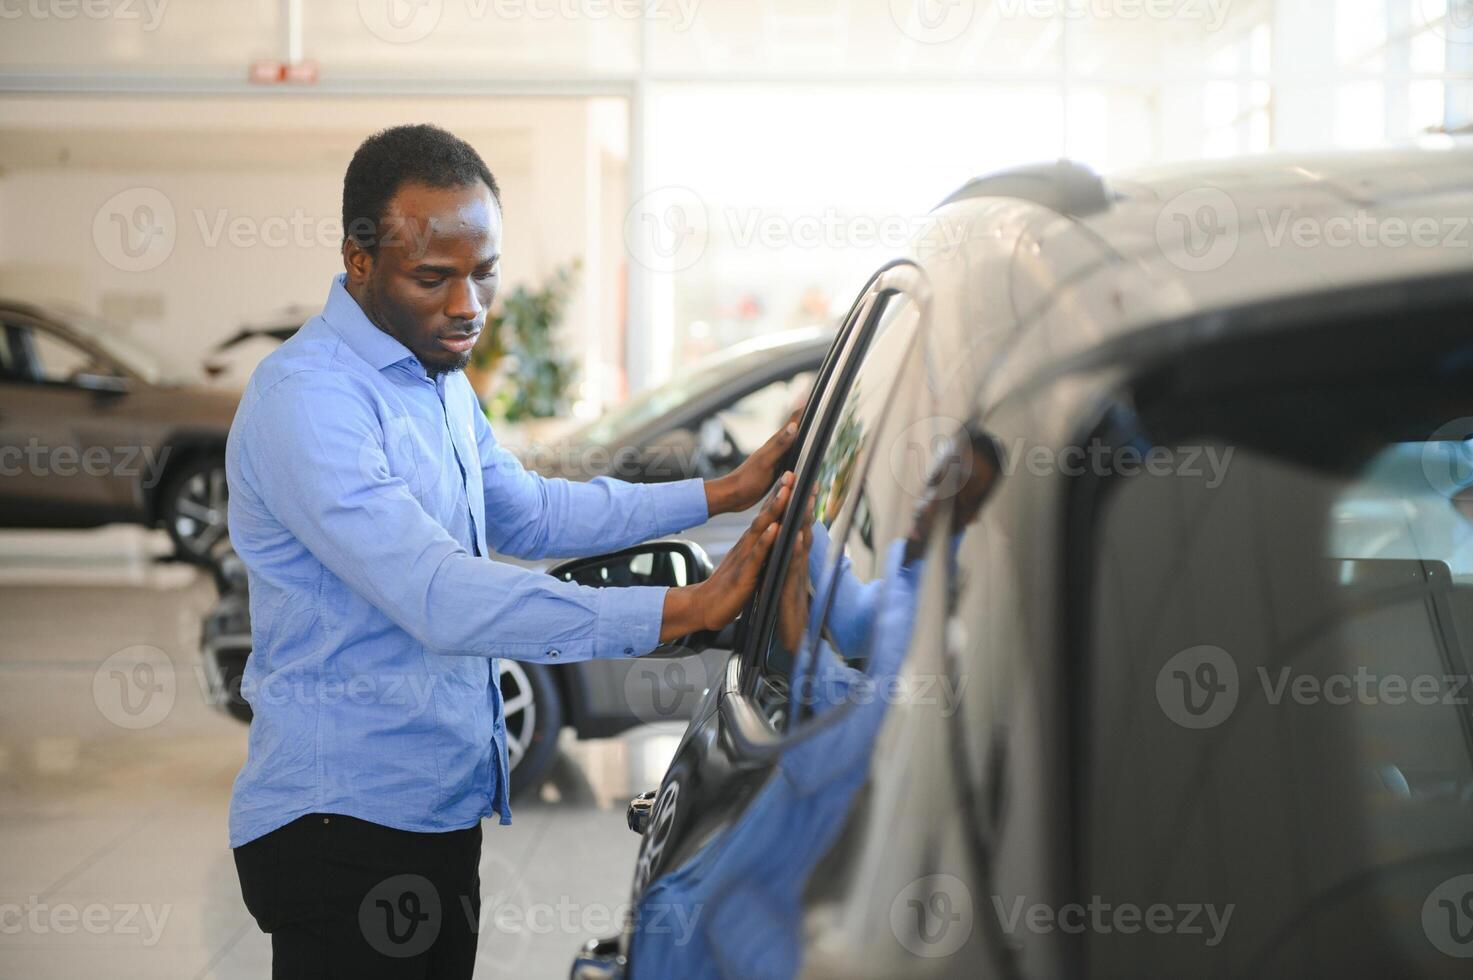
670 563
102 384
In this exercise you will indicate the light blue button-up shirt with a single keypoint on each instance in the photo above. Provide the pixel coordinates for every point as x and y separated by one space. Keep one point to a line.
363 495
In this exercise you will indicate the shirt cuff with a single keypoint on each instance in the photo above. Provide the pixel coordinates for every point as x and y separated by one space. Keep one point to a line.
629 620
679 505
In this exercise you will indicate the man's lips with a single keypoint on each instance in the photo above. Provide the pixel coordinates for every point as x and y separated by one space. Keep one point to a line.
459 343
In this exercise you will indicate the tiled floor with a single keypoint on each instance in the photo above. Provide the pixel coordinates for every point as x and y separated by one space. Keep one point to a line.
113 856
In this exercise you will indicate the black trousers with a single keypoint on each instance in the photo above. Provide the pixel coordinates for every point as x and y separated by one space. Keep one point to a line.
346 898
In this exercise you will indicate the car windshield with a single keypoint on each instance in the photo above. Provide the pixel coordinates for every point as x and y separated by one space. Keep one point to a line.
613 426
1279 725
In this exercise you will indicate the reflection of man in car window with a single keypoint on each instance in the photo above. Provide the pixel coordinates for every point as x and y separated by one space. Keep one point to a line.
868 620
750 886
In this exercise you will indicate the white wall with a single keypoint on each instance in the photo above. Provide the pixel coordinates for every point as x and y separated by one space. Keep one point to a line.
254 187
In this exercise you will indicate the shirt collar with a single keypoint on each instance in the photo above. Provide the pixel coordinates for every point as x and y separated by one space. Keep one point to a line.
344 315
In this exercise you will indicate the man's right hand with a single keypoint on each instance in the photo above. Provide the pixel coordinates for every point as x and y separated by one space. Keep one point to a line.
714 603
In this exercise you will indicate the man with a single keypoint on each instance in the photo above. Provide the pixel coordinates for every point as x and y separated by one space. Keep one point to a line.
366 489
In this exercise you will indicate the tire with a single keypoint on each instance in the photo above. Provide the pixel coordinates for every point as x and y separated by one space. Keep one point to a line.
192 507
535 735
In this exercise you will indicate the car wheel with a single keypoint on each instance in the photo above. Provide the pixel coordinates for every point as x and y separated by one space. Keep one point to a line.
534 716
193 507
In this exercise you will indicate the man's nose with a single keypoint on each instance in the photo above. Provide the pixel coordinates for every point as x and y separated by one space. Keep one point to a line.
463 304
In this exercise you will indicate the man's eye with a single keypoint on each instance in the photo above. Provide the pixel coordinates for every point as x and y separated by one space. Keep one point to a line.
488 274
430 283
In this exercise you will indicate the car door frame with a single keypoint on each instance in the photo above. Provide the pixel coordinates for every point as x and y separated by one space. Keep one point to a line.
745 729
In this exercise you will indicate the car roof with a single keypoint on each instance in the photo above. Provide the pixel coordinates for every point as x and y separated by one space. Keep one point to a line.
1045 264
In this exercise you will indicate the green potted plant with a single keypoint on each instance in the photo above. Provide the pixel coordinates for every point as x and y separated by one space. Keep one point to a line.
517 367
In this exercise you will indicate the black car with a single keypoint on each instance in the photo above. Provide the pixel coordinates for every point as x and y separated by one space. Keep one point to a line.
701 424
1123 622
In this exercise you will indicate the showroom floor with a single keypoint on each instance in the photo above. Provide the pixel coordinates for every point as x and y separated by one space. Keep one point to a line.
112 815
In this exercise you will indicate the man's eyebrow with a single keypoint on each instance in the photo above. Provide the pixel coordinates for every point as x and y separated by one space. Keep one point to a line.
426 268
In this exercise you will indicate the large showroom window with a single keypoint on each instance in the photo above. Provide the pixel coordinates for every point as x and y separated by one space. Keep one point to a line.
720 169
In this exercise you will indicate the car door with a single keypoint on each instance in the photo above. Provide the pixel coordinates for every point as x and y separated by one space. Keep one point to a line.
712 807
67 442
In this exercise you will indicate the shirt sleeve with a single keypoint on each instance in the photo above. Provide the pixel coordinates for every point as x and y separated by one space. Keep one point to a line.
532 516
313 453
847 601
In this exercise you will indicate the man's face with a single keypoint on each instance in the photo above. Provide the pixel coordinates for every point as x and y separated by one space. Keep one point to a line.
435 273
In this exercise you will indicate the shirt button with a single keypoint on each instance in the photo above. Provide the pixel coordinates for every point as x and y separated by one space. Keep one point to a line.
552 653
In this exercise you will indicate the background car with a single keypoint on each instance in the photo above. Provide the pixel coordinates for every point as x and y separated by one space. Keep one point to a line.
237 355
1067 684
94 430
702 424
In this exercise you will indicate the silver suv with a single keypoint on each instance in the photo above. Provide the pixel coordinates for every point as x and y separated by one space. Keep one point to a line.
1127 623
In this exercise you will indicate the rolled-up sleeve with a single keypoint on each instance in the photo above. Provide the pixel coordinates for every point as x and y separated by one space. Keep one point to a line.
313 448
532 516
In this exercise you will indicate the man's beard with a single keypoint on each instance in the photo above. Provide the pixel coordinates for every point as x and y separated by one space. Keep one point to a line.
436 370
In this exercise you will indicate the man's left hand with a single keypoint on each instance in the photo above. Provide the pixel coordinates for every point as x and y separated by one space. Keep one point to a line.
744 486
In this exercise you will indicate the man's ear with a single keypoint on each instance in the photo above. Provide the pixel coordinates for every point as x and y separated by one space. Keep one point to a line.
357 262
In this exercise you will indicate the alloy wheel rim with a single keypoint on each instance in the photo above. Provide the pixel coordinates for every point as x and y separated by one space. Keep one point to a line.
200 510
519 709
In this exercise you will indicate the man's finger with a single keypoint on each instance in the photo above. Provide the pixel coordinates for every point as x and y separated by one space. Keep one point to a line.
780 494
774 509
764 545
783 438
766 517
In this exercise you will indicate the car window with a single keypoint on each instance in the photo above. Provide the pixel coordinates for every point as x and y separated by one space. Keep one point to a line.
866 566
59 360
1279 711
11 362
753 418
854 418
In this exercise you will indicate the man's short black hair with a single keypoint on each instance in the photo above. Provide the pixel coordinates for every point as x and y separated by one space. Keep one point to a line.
391 158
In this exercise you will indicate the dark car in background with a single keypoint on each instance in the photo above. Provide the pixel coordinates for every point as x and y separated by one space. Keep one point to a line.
702 424
94 431
1135 632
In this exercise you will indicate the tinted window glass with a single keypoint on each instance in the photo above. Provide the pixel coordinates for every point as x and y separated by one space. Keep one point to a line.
858 416
753 419
1279 726
10 361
